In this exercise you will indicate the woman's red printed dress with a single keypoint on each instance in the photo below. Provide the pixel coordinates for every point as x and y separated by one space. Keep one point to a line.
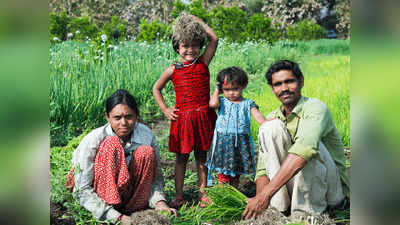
194 127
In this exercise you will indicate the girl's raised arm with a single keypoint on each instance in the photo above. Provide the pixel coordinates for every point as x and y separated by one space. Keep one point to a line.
214 100
209 52
257 116
158 86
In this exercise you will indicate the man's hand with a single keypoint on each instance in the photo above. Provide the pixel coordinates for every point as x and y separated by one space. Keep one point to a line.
162 206
255 206
170 113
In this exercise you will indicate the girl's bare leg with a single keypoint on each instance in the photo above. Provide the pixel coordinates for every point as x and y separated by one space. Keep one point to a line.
180 169
202 170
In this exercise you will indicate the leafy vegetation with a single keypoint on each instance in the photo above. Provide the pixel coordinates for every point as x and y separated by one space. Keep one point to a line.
80 82
261 28
232 23
282 12
151 32
305 31
227 205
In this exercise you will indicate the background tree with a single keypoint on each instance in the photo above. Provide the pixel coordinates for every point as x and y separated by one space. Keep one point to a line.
287 12
100 11
342 9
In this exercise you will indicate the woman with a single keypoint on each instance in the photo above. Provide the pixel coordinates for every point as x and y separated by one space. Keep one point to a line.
116 167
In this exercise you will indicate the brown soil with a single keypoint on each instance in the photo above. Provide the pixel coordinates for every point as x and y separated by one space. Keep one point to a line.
158 127
271 216
56 215
149 217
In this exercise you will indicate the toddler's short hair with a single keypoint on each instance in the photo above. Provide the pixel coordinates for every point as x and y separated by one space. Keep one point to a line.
187 30
234 75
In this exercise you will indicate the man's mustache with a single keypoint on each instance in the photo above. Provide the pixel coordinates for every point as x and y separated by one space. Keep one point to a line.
286 93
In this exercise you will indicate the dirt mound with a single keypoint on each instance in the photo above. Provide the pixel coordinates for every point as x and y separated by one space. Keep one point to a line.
149 217
56 215
271 216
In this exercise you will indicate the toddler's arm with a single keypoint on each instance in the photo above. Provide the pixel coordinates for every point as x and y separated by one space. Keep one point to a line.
158 86
214 100
260 118
209 52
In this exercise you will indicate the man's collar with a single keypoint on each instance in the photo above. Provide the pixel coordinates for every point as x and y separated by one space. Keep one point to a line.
297 109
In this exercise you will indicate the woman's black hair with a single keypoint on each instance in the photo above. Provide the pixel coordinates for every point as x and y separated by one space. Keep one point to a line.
283 65
234 75
121 96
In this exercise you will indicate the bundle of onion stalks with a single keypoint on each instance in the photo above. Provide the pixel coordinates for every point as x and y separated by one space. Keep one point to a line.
227 205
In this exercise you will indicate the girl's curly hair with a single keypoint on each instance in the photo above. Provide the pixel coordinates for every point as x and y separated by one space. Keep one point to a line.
187 30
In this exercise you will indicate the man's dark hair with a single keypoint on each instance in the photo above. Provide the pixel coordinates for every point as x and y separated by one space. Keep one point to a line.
233 74
121 96
283 65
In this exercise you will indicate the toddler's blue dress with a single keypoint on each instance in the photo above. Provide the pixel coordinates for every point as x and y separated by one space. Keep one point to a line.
232 151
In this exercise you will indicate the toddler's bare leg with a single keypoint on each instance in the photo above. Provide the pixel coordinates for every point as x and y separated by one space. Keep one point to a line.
180 169
202 170
235 181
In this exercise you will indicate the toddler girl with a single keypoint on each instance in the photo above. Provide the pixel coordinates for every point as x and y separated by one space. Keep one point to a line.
232 149
192 120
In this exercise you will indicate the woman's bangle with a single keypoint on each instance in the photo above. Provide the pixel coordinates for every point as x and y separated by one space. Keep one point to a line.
120 217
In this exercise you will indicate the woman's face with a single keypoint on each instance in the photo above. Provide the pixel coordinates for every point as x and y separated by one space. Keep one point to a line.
122 120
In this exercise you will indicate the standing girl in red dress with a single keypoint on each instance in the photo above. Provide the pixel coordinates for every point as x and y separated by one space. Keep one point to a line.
192 121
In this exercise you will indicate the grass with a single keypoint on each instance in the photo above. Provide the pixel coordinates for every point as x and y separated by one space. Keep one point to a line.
79 86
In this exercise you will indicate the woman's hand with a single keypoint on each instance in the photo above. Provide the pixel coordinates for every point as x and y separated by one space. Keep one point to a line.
162 206
170 113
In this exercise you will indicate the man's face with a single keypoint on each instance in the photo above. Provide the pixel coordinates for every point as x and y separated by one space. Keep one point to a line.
287 87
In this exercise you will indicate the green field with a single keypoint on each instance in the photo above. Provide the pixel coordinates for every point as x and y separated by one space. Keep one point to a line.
79 85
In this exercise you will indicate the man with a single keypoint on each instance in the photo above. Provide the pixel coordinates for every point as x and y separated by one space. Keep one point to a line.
301 163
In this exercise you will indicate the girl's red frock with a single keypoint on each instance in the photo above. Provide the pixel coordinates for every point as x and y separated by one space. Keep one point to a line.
194 127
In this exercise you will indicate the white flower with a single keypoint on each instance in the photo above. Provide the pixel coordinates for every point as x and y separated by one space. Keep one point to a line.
56 39
115 47
70 35
110 46
103 37
77 32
